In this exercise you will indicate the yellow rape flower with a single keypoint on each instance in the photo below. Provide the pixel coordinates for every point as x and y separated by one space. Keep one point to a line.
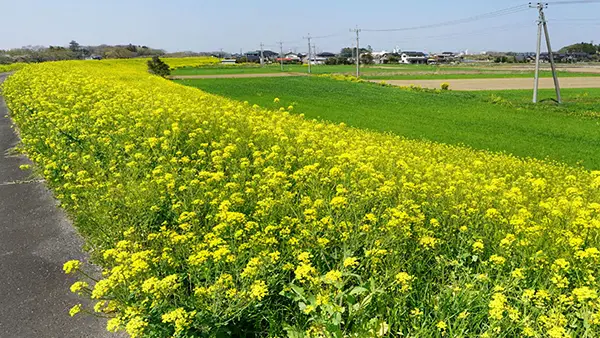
71 266
350 262
258 290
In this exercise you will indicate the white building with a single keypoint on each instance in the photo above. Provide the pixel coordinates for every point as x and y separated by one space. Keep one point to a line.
413 58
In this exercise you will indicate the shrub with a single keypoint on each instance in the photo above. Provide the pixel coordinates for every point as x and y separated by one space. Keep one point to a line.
157 67
331 61
211 217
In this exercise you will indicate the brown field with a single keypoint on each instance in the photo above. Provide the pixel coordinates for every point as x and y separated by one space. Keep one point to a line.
500 84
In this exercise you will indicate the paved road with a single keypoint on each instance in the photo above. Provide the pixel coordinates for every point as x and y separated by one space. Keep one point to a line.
500 84
235 76
35 240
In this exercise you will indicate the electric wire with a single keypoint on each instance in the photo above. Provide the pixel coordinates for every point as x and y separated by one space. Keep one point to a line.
490 15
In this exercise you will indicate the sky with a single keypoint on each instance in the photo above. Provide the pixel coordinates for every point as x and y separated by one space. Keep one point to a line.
234 25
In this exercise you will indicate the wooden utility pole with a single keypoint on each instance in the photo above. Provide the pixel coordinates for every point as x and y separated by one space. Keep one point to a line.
357 31
308 56
543 25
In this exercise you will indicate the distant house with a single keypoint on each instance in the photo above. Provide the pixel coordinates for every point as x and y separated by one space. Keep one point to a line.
268 55
228 61
326 55
381 57
445 57
290 58
253 56
318 59
413 58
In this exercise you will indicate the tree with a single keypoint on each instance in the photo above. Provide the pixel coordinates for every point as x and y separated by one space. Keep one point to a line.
157 66
366 58
118 53
394 58
331 61
347 52
74 46
582 47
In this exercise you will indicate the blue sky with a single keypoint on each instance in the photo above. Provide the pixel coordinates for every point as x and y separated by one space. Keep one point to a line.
201 25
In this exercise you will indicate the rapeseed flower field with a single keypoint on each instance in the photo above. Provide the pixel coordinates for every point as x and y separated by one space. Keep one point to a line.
212 217
139 63
11 67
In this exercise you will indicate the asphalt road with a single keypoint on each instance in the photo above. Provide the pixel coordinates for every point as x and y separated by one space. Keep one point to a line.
35 240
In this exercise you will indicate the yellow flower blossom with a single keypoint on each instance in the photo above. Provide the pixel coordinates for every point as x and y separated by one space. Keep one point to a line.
350 262
71 266
75 310
333 276
258 290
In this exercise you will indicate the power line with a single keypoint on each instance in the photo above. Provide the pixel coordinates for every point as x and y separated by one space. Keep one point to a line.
490 15
575 2
575 20
484 31
328 36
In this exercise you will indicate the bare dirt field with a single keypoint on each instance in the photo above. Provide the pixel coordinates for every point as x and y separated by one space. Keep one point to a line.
584 68
235 76
500 84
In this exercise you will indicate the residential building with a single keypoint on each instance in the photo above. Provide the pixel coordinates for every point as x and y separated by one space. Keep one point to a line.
319 59
290 58
413 58
268 55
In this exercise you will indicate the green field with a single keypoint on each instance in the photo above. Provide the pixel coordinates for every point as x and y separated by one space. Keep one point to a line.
383 72
498 121
322 69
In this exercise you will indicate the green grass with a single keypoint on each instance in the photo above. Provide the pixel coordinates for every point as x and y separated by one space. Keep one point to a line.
497 121
382 72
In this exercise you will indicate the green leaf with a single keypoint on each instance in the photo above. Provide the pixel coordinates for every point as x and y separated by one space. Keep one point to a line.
358 290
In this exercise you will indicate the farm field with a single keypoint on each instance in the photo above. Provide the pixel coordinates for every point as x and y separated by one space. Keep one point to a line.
498 121
322 69
301 213
498 83
386 72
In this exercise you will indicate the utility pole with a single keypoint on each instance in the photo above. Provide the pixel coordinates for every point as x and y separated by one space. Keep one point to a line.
262 63
308 56
357 31
543 24
314 53
281 54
